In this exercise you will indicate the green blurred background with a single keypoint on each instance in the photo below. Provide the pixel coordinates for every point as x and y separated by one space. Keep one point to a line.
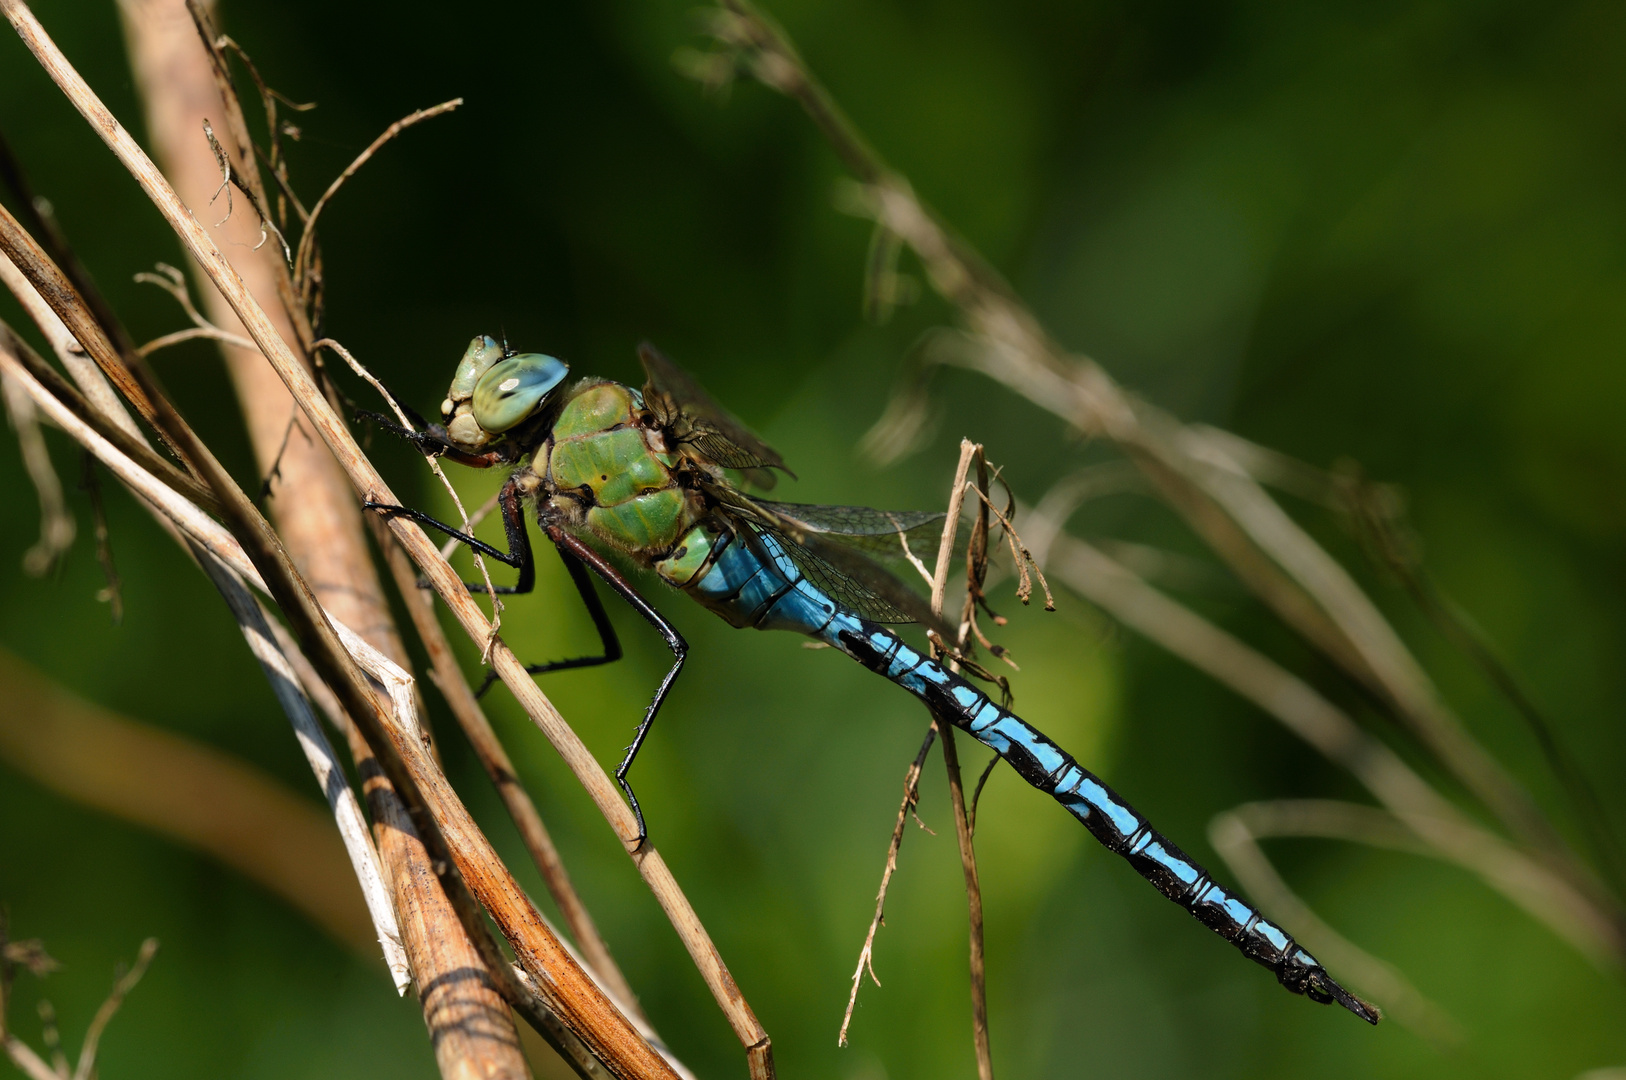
1392 232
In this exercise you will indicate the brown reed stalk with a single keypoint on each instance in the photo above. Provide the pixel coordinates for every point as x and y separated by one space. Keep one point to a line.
405 761
402 736
454 688
22 371
451 967
969 451
470 1027
467 849
973 895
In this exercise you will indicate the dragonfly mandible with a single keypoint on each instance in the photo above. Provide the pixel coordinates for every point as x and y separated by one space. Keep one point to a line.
647 473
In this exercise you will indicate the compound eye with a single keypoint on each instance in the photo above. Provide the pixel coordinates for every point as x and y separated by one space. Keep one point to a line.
482 352
514 389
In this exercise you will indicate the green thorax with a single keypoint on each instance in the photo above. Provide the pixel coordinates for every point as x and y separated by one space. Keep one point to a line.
598 455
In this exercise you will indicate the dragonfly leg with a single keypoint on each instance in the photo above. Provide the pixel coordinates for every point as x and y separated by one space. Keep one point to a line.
518 554
674 641
432 441
610 644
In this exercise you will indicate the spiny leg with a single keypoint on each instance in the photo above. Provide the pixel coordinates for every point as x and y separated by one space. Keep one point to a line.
432 440
601 622
518 554
674 641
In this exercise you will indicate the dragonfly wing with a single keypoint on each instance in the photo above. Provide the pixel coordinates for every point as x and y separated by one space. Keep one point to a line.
878 533
814 540
699 422
859 584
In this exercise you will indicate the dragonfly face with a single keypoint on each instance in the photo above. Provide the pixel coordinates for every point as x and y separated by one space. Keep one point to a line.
492 394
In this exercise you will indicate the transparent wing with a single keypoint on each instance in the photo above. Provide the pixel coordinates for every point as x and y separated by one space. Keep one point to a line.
827 557
846 588
698 421
878 533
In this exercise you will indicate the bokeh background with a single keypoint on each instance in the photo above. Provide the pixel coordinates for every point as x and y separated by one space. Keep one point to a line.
1387 232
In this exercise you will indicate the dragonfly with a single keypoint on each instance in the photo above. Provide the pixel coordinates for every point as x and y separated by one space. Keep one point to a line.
659 475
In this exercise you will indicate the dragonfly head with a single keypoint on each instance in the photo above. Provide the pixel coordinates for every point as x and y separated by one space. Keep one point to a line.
492 393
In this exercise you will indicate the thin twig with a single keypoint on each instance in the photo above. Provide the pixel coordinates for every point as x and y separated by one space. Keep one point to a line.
951 524
98 1024
225 172
481 512
910 556
468 526
976 796
230 180
237 124
268 101
866 955
951 762
194 333
57 526
973 895
307 238
1020 555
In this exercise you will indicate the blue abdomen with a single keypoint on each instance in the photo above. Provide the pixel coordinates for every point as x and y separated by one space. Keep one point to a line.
753 583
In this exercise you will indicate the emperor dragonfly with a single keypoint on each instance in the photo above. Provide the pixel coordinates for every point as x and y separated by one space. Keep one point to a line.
646 474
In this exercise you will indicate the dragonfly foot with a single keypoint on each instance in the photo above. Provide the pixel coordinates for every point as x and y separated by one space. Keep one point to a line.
637 811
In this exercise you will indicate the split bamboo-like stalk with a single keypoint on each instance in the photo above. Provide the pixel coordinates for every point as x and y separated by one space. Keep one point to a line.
470 1026
404 730
465 846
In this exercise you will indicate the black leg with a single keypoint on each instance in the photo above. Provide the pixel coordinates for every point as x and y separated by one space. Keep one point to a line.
610 644
518 554
432 440
423 440
674 641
